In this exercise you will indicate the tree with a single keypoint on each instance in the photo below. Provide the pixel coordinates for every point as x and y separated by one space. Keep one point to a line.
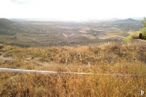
144 22
142 35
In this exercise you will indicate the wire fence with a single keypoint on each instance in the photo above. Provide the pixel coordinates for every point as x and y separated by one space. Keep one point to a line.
24 71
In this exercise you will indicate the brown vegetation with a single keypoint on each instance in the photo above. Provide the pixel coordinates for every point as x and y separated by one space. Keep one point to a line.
101 59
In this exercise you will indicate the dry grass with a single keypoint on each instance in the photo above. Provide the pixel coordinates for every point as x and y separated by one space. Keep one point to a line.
15 85
103 59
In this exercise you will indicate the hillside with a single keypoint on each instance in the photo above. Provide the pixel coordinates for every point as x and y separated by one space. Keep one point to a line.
105 61
107 53
127 24
44 33
83 59
8 27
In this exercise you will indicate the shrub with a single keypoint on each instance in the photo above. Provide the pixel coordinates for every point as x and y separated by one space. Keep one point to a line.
134 35
143 32
144 22
128 39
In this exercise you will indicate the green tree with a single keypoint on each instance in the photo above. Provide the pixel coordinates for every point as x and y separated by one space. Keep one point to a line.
144 22
142 35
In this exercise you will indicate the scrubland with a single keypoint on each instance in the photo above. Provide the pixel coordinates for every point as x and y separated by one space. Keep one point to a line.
129 60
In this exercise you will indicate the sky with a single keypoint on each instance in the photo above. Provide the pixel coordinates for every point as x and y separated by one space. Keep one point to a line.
72 10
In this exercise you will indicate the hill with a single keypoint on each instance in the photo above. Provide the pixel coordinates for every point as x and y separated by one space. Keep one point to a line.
128 24
8 27
5 22
45 33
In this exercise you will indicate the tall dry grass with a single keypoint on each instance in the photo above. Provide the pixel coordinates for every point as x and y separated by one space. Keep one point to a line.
102 59
26 85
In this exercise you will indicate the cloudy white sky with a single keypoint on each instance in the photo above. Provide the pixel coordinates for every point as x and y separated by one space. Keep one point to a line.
72 10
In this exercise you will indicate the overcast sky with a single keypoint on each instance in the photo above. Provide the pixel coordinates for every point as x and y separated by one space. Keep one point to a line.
72 10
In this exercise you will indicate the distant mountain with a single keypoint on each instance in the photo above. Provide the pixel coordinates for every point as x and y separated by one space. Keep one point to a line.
8 26
128 21
4 22
127 24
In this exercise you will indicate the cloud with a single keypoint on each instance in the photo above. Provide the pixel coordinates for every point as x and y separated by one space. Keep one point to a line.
20 1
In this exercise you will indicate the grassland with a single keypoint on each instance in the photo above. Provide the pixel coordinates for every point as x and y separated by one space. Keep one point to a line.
107 58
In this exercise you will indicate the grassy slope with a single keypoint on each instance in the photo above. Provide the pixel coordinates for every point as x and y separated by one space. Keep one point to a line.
105 58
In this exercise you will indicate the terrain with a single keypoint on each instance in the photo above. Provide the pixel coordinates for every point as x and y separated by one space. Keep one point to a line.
43 33
108 66
118 70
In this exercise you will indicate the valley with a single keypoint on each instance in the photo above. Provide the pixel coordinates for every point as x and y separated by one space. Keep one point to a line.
39 33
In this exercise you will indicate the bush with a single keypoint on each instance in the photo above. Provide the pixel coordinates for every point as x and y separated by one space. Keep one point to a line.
127 39
1 46
144 22
134 35
143 32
